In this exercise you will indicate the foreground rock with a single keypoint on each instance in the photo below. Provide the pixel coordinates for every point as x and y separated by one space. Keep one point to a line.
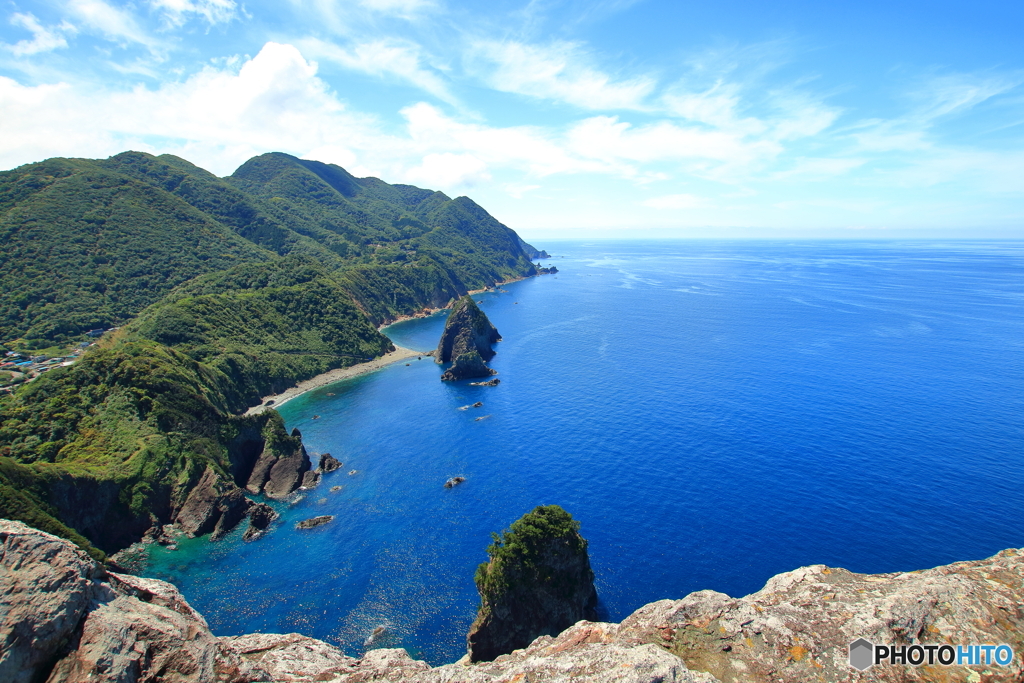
63 618
799 626
466 330
537 582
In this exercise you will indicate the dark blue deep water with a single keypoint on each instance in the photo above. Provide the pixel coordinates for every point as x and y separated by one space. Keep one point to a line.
712 412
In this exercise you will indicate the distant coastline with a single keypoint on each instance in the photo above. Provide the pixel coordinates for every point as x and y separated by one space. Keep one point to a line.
427 312
330 377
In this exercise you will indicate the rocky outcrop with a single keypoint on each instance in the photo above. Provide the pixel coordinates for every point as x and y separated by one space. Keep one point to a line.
467 366
45 587
63 619
328 463
467 329
314 522
800 625
547 271
537 582
260 517
214 505
281 467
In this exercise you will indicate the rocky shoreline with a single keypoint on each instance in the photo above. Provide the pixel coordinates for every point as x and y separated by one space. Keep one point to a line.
64 618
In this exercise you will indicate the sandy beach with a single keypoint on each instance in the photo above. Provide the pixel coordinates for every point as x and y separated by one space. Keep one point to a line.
399 354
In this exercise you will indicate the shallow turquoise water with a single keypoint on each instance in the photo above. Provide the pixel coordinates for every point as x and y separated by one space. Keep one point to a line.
712 412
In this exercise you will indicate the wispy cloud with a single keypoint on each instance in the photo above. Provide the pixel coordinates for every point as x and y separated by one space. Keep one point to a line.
402 8
44 39
400 59
559 71
177 12
116 24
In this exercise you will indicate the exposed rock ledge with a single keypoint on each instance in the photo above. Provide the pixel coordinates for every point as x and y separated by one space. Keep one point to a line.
64 618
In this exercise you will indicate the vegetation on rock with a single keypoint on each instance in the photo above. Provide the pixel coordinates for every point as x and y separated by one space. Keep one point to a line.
537 582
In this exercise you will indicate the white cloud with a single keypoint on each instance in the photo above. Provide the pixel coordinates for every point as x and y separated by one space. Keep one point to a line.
717 106
401 59
449 170
216 118
116 24
557 71
955 93
43 39
213 11
615 142
676 201
818 169
517 190
399 7
524 147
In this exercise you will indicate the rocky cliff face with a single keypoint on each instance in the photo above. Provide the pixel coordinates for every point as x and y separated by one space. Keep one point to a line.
64 618
466 330
538 582
467 366
281 467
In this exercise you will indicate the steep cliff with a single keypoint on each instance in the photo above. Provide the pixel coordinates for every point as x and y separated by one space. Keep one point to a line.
537 582
63 618
467 329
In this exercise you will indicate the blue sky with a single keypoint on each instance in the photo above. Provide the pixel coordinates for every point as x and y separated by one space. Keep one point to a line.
613 118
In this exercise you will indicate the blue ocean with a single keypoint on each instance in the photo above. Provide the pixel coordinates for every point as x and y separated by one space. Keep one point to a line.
713 413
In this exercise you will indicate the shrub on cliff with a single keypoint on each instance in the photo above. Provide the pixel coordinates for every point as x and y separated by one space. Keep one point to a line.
538 582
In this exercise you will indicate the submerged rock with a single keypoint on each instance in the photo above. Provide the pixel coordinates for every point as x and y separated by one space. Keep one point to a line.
314 521
538 582
466 330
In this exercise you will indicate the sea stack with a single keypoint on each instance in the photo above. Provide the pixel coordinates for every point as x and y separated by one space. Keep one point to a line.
538 582
466 342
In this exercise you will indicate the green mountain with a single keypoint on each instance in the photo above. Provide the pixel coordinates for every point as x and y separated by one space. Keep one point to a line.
225 290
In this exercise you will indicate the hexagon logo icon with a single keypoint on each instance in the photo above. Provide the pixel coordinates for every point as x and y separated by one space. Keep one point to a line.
862 654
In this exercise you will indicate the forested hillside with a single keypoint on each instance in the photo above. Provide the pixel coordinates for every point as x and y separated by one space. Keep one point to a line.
89 243
225 290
